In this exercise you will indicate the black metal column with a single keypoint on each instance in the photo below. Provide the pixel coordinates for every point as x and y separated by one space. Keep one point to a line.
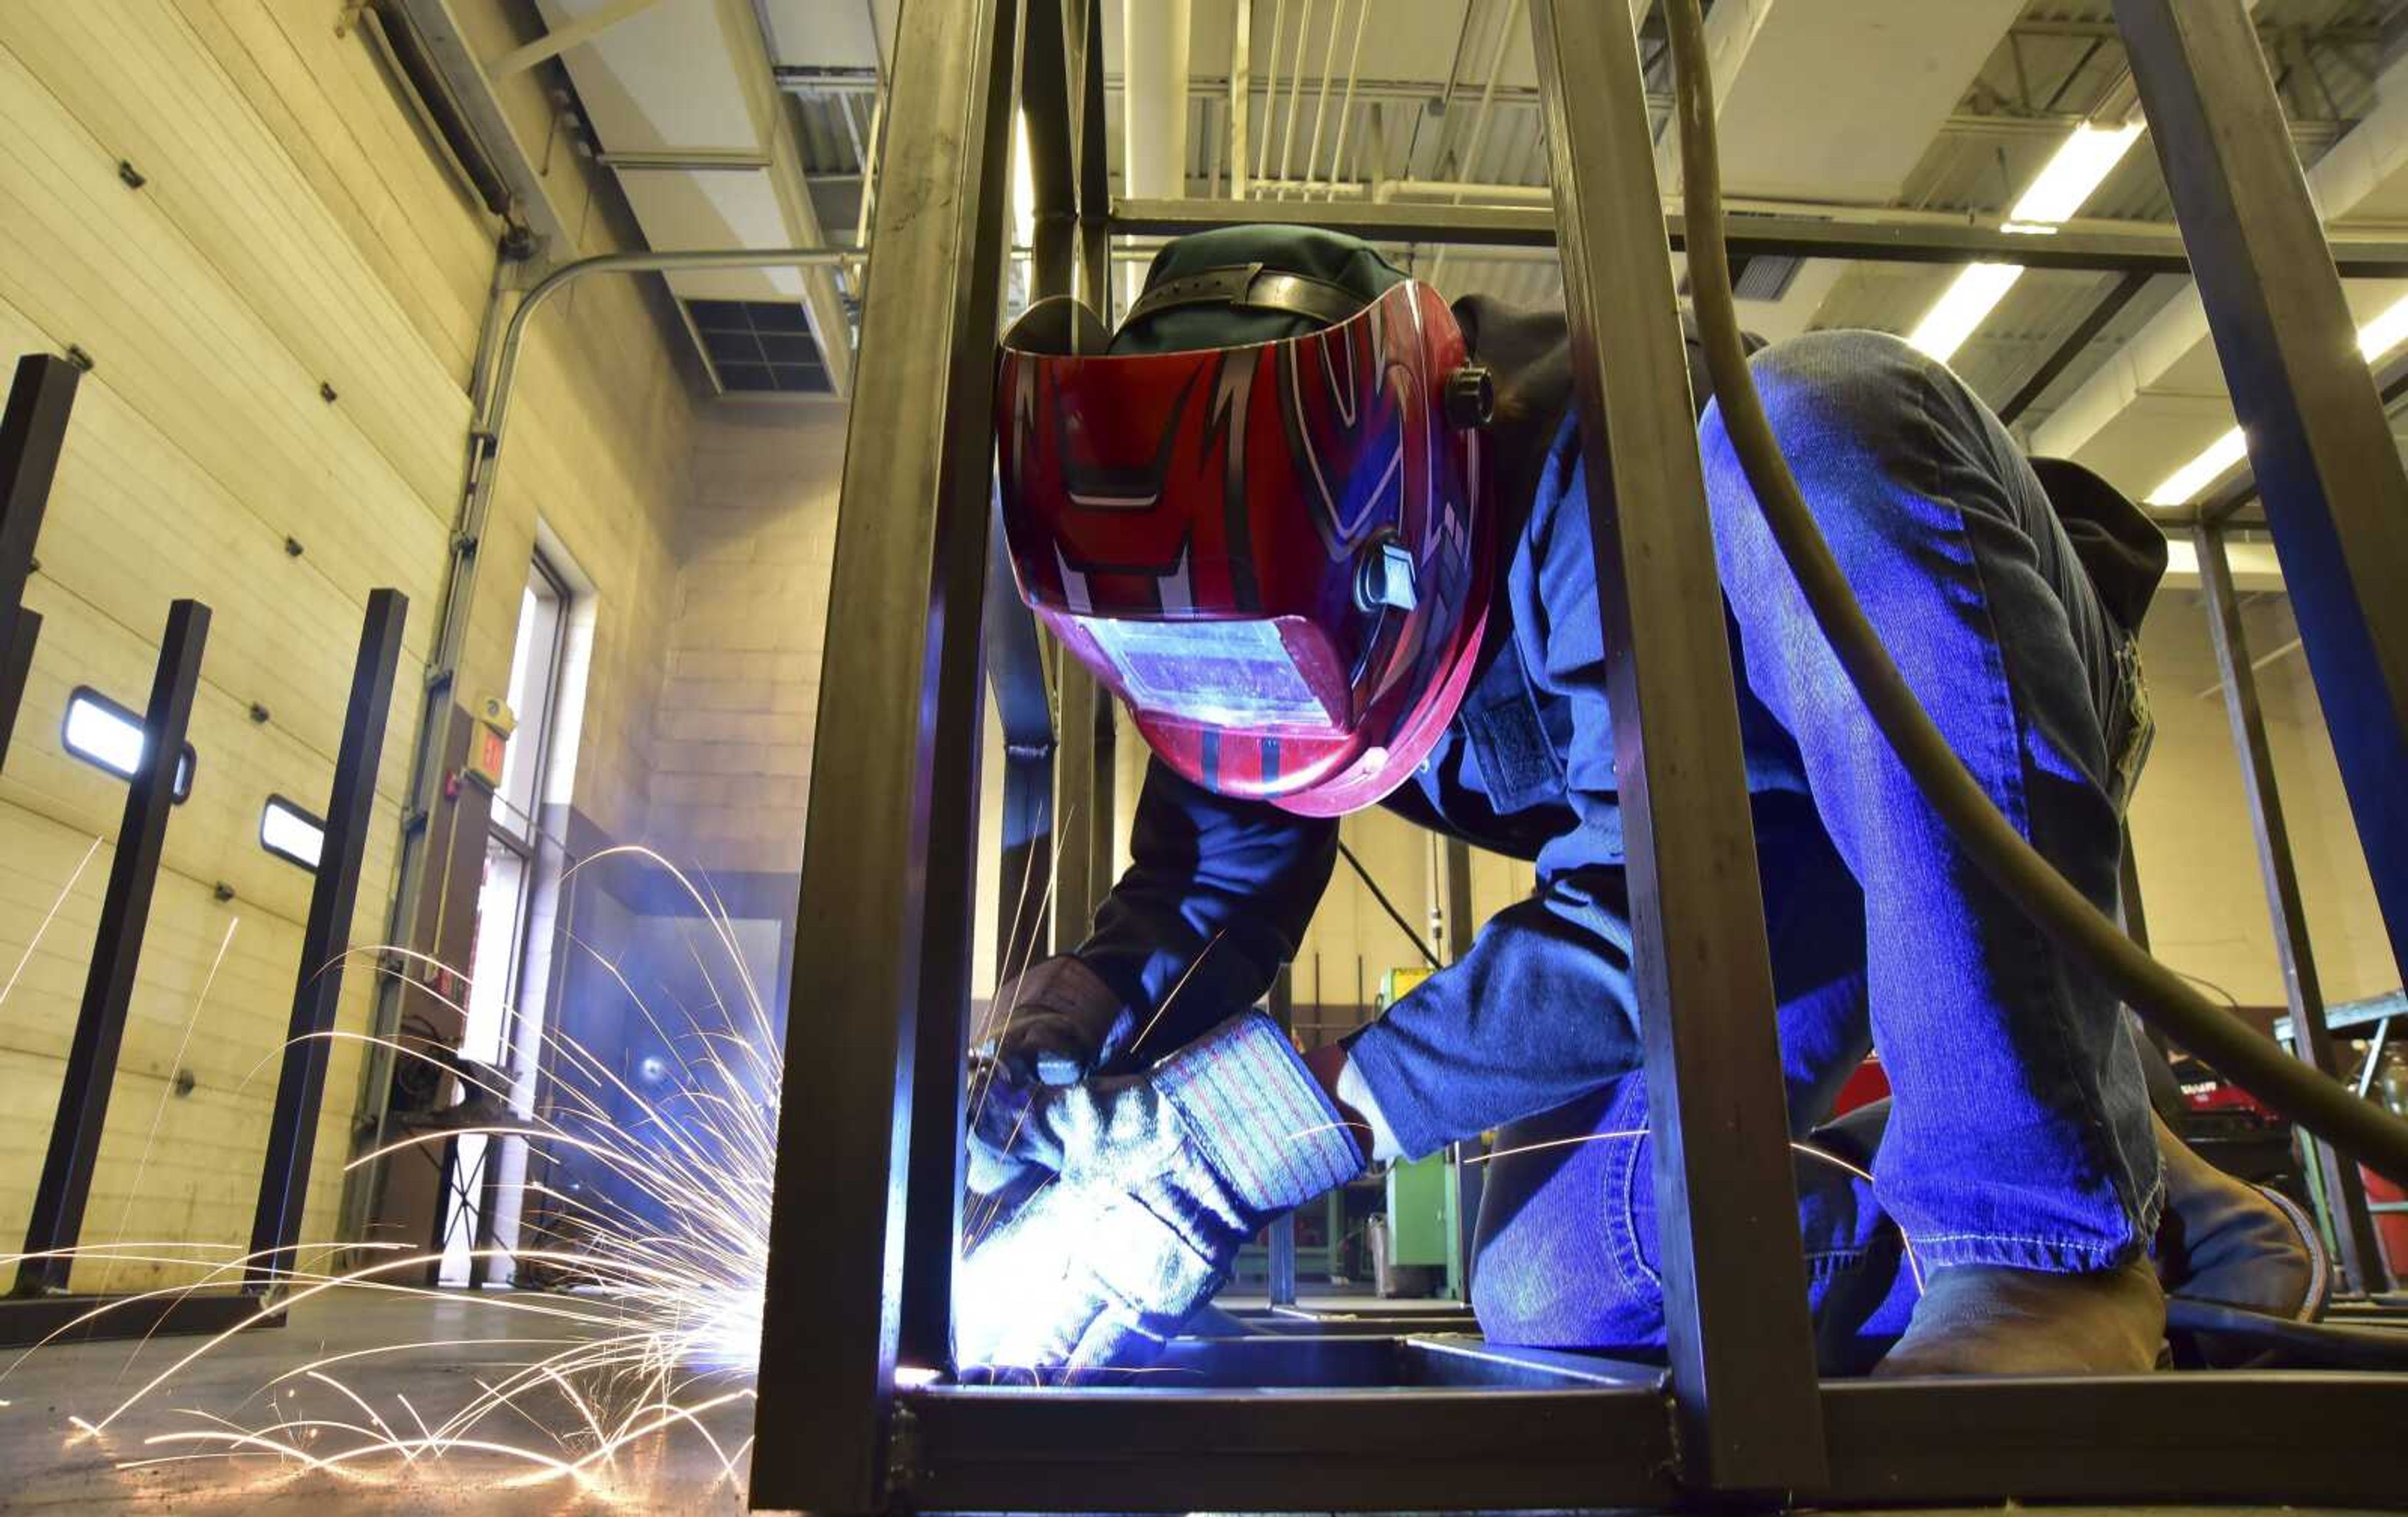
1085 29
117 951
878 884
1019 659
932 1219
2130 907
32 431
1016 657
2110 305
2352 1228
1742 1355
2335 494
1456 926
325 937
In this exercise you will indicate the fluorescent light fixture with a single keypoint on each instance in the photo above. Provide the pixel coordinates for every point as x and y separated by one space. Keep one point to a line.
2376 338
2085 159
2203 471
2375 341
2080 164
1978 288
108 736
1023 185
292 834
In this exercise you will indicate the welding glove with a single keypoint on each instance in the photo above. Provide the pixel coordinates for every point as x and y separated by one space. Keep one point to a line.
1055 1024
1163 1176
1050 1027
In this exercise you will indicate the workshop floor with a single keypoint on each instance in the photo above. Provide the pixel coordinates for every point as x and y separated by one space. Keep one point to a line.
48 1466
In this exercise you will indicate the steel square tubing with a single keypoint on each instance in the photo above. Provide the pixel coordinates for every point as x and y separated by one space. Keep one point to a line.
1517 226
2322 450
33 430
66 1185
1734 1283
28 1321
2200 1436
1290 1451
2344 1194
882 885
325 940
2208 1436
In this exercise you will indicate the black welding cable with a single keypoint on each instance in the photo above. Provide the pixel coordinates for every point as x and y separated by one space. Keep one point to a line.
2289 1085
2318 1345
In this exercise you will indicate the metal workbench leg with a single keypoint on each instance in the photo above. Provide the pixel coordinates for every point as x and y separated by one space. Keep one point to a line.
32 431
68 1166
878 884
325 938
2335 494
2345 1195
1742 1355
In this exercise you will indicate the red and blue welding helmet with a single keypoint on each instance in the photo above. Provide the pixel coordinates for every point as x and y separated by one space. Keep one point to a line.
1258 514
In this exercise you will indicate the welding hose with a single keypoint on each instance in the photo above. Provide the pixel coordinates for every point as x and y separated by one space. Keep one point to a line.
2290 1086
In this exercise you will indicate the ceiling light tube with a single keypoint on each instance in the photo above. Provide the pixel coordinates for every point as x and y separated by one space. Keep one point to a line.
1979 288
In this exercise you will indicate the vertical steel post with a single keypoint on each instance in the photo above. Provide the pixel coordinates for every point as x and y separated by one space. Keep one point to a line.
1742 1365
1016 660
1086 25
2352 1228
1019 659
325 938
65 1184
1096 281
2336 497
2130 908
1083 812
1454 898
32 431
881 883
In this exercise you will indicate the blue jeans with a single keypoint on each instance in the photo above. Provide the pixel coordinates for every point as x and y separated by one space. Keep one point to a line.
2020 1134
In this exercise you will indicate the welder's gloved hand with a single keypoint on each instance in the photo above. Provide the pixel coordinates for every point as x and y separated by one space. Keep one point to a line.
1052 1025
1163 1176
1055 1024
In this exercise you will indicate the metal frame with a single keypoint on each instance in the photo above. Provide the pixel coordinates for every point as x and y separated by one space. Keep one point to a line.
325 941
2341 1195
1380 1419
40 1312
32 431
57 1217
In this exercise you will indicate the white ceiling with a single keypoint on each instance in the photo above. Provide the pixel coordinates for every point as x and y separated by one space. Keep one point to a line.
1904 104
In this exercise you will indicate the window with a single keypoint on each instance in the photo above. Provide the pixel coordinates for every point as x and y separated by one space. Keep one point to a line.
109 737
292 834
499 1033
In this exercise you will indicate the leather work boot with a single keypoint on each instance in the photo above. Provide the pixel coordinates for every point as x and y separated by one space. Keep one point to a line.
1988 1320
2225 1241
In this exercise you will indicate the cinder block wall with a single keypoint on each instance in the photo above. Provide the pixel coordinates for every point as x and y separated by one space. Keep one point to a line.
733 735
292 229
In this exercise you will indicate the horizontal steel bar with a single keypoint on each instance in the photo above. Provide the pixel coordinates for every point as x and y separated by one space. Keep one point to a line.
2203 1436
2168 1437
1304 1451
1528 226
28 1320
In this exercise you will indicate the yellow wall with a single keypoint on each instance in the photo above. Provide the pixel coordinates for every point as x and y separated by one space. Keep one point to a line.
292 230
2191 833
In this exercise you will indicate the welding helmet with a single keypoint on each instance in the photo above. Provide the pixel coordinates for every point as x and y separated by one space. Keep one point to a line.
1258 514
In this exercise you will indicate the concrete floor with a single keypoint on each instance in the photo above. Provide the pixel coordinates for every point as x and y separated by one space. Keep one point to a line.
52 1469
48 1468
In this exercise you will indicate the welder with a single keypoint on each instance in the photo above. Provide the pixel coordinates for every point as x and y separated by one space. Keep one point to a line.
1329 541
